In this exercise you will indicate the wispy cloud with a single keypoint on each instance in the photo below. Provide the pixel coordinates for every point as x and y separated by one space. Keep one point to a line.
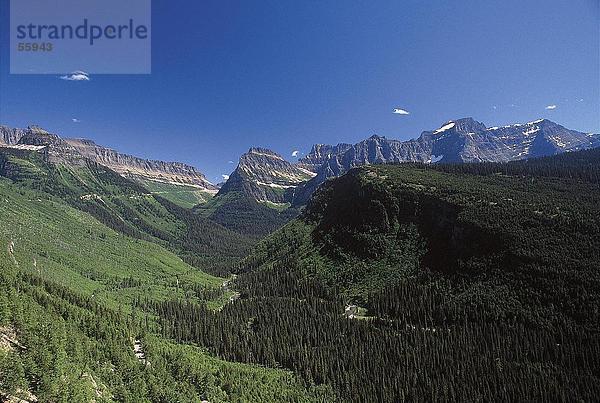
230 162
225 177
75 120
295 153
76 76
400 111
551 107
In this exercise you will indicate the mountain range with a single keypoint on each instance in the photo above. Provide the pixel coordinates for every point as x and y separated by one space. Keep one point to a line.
265 176
462 140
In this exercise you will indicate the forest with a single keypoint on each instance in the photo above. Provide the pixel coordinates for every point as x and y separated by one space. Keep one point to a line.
471 284
395 283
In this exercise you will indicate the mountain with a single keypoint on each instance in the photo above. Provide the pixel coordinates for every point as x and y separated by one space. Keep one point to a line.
437 267
34 138
488 268
123 204
178 182
458 141
175 173
252 201
265 176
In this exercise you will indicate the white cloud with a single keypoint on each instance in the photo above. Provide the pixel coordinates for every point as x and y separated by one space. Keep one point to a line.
76 76
400 111
225 177
75 120
551 107
295 153
494 107
230 162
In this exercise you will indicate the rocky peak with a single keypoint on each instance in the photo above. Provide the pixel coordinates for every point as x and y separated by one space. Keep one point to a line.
12 136
321 153
77 152
265 176
468 125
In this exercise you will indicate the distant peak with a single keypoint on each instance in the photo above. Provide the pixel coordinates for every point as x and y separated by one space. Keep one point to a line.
260 150
376 137
37 129
469 124
446 126
543 121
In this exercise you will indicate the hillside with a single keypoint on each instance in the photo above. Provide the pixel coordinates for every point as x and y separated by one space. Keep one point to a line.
127 207
74 322
492 273
242 214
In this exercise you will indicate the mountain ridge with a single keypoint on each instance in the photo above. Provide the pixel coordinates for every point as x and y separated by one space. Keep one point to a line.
456 141
76 151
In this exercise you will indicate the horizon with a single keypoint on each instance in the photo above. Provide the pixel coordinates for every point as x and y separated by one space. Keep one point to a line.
285 77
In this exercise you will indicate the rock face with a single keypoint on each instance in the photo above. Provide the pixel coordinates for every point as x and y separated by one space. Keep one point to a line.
265 176
34 138
462 140
320 153
10 136
77 152
139 168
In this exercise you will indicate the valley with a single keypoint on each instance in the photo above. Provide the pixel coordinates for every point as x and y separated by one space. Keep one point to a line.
398 279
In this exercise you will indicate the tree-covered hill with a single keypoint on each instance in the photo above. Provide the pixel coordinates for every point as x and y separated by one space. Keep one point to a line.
461 285
244 215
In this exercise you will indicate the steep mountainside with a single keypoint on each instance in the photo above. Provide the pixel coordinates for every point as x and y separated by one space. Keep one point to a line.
264 176
321 153
137 168
11 136
462 140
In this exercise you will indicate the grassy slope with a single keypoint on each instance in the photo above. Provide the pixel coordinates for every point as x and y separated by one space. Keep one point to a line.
184 196
74 249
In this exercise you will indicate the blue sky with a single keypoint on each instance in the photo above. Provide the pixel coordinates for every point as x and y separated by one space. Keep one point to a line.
227 75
